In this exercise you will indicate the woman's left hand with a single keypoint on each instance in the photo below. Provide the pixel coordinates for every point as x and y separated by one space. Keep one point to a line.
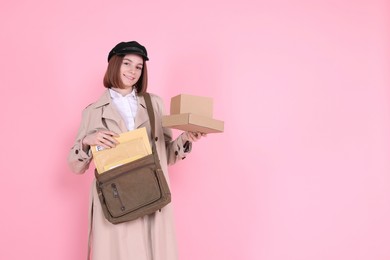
193 136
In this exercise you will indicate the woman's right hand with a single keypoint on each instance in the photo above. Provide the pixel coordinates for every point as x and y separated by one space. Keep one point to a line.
101 137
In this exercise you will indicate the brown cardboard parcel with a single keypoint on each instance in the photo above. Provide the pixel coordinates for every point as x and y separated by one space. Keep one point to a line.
201 106
192 113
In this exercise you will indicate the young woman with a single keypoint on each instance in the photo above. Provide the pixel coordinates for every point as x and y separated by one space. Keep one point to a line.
122 108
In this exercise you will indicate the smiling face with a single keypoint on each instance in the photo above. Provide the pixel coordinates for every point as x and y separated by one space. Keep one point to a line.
131 69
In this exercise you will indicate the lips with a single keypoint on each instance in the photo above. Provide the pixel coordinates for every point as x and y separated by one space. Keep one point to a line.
129 77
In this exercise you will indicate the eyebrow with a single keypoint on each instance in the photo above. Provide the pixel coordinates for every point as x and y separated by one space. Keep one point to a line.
133 61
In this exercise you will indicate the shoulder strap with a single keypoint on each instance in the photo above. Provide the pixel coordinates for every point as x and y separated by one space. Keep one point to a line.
149 108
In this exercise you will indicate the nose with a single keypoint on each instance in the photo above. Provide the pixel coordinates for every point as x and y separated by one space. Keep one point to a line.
132 70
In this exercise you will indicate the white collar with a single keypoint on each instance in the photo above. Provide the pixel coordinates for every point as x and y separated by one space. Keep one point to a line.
116 95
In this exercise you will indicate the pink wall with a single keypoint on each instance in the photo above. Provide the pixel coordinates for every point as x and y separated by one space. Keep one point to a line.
302 170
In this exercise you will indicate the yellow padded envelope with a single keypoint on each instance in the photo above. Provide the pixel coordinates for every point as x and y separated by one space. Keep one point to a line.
132 146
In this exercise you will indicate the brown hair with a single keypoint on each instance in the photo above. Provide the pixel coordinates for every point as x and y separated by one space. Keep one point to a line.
112 77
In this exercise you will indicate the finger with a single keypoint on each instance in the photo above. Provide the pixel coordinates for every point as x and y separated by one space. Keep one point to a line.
193 136
106 143
198 135
104 139
110 133
111 139
190 136
101 142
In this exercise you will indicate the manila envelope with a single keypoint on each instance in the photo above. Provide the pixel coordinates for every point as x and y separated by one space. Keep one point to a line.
132 146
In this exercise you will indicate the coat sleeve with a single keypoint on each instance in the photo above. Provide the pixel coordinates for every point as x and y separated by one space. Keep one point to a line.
78 159
177 149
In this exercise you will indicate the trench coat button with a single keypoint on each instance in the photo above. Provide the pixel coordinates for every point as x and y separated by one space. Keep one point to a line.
156 138
176 152
76 152
81 160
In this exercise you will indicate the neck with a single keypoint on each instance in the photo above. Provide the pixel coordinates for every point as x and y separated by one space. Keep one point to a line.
123 91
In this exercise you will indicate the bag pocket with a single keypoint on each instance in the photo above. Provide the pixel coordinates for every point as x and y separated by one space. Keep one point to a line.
131 191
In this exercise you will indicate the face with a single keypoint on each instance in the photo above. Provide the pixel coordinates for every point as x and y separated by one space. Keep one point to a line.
131 69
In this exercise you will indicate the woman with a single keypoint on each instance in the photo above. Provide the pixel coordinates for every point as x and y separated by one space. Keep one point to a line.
122 108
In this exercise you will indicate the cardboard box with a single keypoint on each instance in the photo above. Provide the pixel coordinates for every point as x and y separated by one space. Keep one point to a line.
192 113
193 123
201 106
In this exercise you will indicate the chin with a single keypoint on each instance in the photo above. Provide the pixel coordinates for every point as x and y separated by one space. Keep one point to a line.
128 86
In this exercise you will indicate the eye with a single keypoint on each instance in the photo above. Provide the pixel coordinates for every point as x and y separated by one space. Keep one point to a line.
125 63
139 68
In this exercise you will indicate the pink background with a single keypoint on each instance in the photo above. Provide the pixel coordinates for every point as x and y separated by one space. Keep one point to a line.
302 170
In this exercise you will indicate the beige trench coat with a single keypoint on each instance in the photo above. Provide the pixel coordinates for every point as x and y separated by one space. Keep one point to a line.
148 238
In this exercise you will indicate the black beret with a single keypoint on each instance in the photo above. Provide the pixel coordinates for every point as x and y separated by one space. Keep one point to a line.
124 48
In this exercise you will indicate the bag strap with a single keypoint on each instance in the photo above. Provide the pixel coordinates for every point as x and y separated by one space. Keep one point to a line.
149 108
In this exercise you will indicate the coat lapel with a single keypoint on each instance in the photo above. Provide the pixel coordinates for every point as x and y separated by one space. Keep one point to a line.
111 116
142 114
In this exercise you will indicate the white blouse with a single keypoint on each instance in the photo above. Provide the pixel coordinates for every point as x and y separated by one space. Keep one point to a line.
127 106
